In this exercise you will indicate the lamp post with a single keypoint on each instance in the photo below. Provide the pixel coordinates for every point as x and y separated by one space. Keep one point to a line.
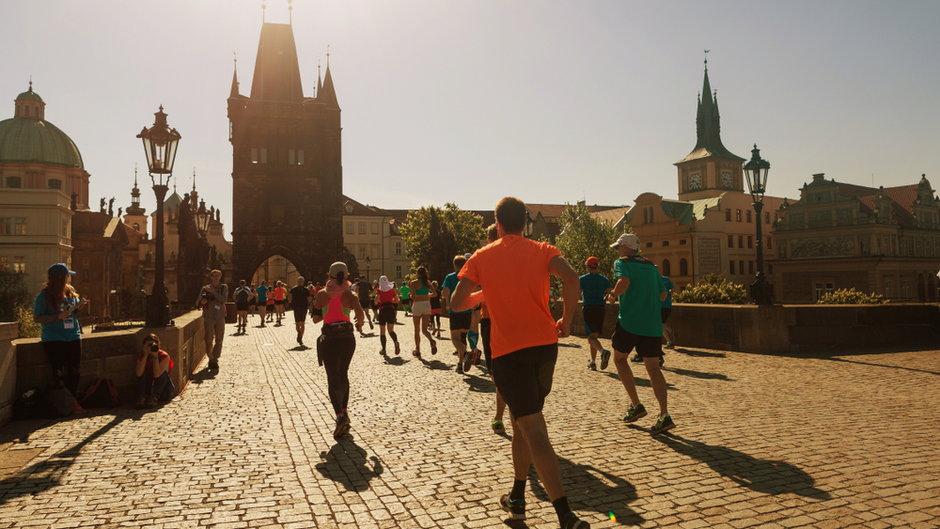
368 268
756 171
160 142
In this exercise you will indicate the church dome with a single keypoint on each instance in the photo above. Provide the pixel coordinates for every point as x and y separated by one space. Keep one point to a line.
28 137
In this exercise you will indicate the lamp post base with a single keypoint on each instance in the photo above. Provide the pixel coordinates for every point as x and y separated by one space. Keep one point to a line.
158 311
760 291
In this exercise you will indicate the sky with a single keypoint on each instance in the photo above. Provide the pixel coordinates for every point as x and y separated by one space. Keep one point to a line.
551 101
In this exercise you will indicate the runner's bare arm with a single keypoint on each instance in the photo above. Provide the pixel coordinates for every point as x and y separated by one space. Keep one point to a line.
354 304
571 292
622 285
462 298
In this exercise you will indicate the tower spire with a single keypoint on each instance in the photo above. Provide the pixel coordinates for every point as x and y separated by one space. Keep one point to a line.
234 91
327 94
319 81
194 179
290 12
708 123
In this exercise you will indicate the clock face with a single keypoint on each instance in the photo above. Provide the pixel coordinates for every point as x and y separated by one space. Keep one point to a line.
726 180
695 181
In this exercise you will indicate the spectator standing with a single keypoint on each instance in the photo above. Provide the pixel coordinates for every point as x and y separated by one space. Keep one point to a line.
212 298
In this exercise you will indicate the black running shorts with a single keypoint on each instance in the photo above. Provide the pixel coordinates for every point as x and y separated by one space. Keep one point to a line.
300 314
624 341
241 306
460 321
524 378
594 318
387 314
485 325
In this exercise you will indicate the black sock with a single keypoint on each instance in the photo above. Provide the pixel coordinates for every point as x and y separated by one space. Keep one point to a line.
518 490
382 338
394 336
561 508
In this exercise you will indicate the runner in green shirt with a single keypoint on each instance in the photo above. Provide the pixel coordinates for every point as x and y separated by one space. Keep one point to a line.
640 292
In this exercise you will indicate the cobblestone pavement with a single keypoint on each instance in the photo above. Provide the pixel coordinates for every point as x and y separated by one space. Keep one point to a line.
769 441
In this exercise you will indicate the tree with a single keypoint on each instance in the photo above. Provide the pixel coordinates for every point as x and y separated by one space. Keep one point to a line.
13 293
433 236
582 235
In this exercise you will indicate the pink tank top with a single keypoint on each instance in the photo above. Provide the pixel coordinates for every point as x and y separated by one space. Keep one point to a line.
334 312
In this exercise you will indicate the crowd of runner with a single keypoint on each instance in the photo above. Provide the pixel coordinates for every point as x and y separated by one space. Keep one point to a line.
498 304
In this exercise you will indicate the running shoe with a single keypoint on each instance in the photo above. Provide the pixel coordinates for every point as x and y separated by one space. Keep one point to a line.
592 366
342 426
571 521
605 359
467 362
637 359
475 357
433 348
662 361
637 411
664 424
459 368
498 427
382 351
397 349
416 354
670 346
515 508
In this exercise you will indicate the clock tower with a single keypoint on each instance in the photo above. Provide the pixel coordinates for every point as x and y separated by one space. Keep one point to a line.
710 169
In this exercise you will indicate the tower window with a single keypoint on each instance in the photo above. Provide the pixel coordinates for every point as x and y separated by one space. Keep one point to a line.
254 155
748 216
300 157
14 181
728 215
737 215
264 155
55 184
291 157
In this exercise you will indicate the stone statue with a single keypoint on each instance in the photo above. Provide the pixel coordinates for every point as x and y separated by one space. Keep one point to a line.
111 207
101 206
120 212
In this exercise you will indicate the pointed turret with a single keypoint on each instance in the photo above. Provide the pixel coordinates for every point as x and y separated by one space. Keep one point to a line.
708 126
135 208
319 81
277 74
327 93
234 91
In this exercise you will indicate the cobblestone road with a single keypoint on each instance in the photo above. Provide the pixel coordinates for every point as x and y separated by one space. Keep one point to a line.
769 441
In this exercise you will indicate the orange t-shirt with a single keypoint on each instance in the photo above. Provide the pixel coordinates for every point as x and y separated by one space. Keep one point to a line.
279 293
513 272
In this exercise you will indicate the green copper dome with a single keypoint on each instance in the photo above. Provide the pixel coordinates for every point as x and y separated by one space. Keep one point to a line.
34 140
30 95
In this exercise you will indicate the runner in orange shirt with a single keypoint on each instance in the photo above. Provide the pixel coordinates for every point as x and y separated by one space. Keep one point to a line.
514 273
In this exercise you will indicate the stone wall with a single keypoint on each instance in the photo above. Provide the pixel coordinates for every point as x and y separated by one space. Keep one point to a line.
112 355
796 328
8 333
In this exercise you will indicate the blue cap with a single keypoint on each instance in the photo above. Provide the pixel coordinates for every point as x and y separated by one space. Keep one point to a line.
60 269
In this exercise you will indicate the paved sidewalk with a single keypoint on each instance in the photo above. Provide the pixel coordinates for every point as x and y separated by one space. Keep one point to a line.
768 441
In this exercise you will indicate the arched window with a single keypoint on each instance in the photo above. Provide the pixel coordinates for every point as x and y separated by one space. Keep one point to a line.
667 269
683 267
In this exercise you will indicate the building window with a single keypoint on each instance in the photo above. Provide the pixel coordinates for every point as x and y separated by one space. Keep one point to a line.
740 241
731 241
362 252
300 157
264 155
398 272
728 215
651 216
748 216
15 264
731 267
398 251
667 268
14 181
741 266
254 155
649 245
646 216
750 241
350 228
770 243
737 215
750 267
291 157
766 218
681 242
362 228
12 225
375 228
665 243
136 226
54 183
683 267
821 288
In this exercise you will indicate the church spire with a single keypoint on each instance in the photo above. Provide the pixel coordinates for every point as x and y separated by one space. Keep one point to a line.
277 73
234 91
327 94
708 124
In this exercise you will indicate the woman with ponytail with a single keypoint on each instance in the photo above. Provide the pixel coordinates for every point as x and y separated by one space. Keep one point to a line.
422 292
337 343
56 308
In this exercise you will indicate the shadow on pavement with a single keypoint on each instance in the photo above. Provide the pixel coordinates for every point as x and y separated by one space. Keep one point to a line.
394 360
204 374
585 485
640 382
703 354
479 384
435 364
345 463
697 374
761 475
48 473
299 348
570 345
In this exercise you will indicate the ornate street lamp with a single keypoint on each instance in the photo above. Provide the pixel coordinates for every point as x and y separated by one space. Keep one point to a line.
160 142
756 170
202 218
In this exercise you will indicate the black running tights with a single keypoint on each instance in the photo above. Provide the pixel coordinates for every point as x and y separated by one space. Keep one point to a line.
65 358
336 351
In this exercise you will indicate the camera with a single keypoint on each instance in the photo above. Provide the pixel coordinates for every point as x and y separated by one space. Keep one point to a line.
154 347
208 295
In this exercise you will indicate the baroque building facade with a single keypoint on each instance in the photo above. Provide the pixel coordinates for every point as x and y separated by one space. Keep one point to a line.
884 240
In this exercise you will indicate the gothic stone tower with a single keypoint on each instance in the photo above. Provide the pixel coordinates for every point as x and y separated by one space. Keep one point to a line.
710 169
287 172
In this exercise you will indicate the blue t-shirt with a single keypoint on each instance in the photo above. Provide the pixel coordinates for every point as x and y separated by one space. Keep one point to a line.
67 330
450 282
640 305
262 294
667 284
593 286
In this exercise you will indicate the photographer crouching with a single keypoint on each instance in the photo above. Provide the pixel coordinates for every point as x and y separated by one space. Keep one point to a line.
212 298
153 374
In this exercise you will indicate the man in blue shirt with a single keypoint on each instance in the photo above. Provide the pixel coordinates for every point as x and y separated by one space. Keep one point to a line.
594 288
459 321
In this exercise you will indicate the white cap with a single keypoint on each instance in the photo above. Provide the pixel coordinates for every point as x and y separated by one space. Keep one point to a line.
338 267
630 240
